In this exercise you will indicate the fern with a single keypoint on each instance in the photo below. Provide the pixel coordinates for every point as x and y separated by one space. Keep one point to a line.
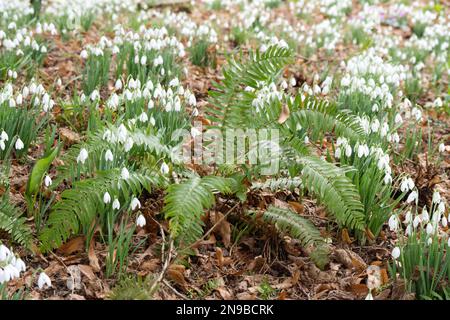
12 222
335 190
79 206
301 229
185 204
231 103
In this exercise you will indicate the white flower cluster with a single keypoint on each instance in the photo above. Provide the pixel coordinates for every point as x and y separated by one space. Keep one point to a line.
370 75
33 94
335 8
10 265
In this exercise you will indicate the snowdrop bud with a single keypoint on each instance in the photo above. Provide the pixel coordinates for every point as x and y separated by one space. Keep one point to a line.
425 217
398 118
292 82
152 121
164 168
125 174
444 221
116 204
82 156
441 147
395 253
140 221
429 241
135 204
47 181
4 136
44 280
369 295
348 150
106 197
195 112
143 60
429 229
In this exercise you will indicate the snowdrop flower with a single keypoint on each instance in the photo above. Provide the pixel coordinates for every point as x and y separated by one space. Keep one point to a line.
444 221
116 204
4 252
143 60
140 221
118 84
195 132
363 151
19 144
164 168
125 174
84 54
425 217
47 181
82 156
417 114
429 241
398 118
94 95
441 148
375 125
412 197
135 203
429 229
20 265
348 150
404 186
408 217
44 280
416 221
4 136
152 121
143 117
106 197
393 223
109 156
395 253
195 112
436 197
369 295
387 178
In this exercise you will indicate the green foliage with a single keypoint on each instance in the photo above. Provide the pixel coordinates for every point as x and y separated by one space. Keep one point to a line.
301 229
132 287
185 204
13 223
80 206
231 104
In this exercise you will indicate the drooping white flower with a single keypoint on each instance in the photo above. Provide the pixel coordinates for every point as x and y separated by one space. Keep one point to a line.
82 156
393 223
43 280
19 144
441 147
116 204
143 117
109 156
140 221
118 84
444 221
164 168
436 197
47 181
106 197
369 295
135 203
396 253
84 54
425 217
412 197
125 174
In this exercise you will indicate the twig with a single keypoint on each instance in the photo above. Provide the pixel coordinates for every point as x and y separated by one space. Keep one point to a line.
212 228
67 268
182 296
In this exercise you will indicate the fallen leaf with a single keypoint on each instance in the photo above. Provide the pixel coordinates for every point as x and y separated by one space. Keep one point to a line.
359 289
176 274
284 115
87 271
93 260
224 293
346 236
299 208
74 245
223 227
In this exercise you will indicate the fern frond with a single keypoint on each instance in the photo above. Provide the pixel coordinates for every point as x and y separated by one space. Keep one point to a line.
185 204
81 204
231 105
335 190
12 222
303 230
